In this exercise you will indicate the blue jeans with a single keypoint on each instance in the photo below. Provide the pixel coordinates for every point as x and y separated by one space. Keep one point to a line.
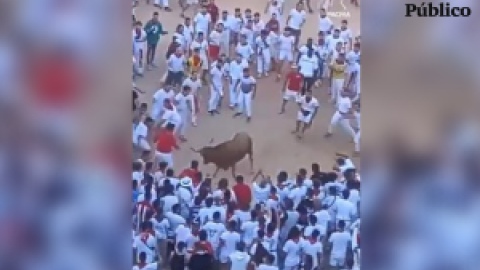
321 64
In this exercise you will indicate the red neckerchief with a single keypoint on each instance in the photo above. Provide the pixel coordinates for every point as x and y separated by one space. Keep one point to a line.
312 240
145 235
141 265
296 240
195 233
273 197
270 234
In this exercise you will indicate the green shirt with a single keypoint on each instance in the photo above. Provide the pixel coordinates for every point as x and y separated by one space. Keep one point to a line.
154 30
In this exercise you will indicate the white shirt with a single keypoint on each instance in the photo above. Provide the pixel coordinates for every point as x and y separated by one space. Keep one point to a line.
148 266
171 116
228 23
161 228
249 231
332 42
175 63
309 106
258 26
230 240
138 43
339 241
202 45
323 217
346 35
214 230
180 39
267 267
168 202
205 214
217 76
286 43
195 85
262 45
215 38
160 96
188 32
182 233
324 24
249 33
237 24
261 194
308 65
140 131
183 101
345 209
344 104
202 23
293 253
239 260
297 18
312 249
236 68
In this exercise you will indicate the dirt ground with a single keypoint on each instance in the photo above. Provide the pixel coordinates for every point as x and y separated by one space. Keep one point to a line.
275 148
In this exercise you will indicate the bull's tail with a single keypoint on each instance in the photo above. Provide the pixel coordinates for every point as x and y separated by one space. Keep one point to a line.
250 153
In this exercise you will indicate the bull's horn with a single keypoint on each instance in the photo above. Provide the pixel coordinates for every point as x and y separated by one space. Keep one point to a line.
193 149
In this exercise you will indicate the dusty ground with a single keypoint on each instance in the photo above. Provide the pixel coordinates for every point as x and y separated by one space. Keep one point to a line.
275 148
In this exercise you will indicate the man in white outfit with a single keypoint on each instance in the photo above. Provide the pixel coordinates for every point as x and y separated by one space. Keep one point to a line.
308 107
158 100
184 102
342 116
235 72
246 90
216 87
264 55
195 85
357 135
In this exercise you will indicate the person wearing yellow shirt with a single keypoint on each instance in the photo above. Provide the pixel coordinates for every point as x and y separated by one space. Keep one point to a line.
195 62
337 76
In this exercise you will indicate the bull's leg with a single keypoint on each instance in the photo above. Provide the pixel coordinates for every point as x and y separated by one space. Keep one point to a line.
250 157
216 171
233 171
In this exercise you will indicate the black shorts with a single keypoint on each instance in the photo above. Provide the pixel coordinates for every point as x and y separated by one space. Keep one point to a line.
295 32
174 78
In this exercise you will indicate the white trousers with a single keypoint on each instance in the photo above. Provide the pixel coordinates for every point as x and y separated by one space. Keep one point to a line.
165 157
232 93
245 103
344 123
162 3
186 120
215 93
337 87
263 62
357 141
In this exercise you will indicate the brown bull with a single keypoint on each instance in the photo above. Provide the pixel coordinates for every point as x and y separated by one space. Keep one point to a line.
226 155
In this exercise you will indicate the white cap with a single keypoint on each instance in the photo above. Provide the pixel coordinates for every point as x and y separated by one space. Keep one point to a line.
186 181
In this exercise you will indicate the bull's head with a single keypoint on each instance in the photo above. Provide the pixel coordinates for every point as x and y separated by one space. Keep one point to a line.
205 152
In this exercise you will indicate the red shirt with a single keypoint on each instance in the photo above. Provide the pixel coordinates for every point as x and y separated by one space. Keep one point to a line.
192 173
243 195
56 81
166 142
212 9
294 79
273 25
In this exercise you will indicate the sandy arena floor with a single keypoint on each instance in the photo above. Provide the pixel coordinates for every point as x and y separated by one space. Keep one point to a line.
275 148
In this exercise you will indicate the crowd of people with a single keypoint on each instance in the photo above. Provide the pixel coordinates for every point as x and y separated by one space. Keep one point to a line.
296 222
